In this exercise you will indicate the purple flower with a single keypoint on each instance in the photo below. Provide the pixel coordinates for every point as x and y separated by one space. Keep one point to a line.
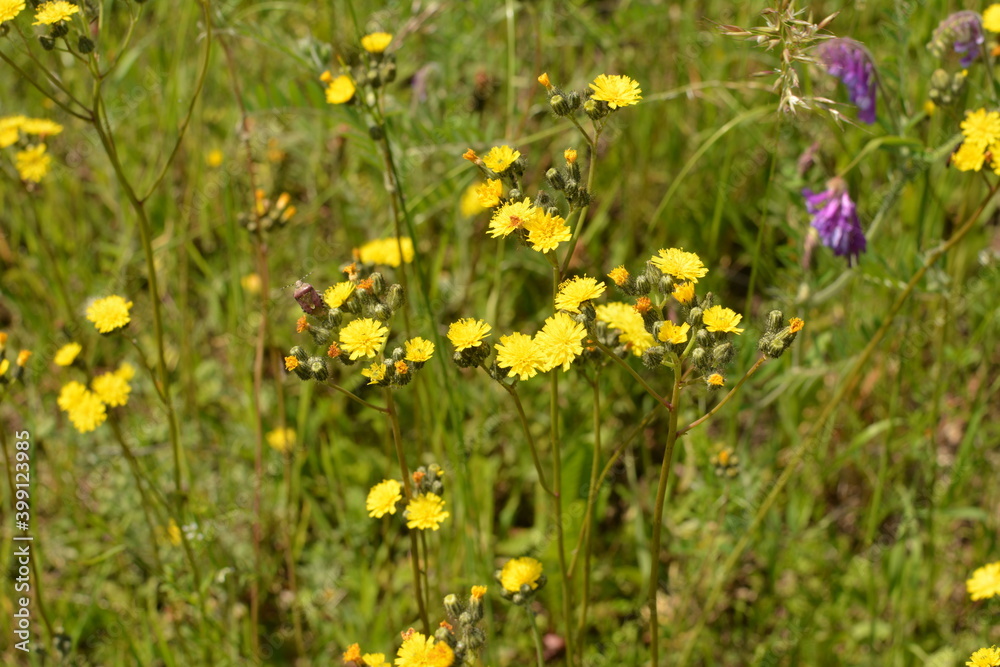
835 217
962 31
850 62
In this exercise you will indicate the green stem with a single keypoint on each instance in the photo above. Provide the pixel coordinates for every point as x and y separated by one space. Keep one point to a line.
539 654
654 546
732 392
582 217
638 378
357 399
595 465
531 440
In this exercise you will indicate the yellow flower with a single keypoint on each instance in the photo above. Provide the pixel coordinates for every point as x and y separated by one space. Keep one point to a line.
10 127
32 163
375 660
518 572
560 341
426 512
795 325
546 231
512 216
54 12
66 354
719 319
363 337
214 158
22 357
87 412
251 283
352 654
679 264
4 366
421 651
111 388
684 293
377 42
174 533
375 373
521 354
623 316
575 291
985 657
10 9
671 333
69 395
291 363
968 157
469 205
570 155
619 275
991 18
985 582
500 158
489 193
281 439
478 592
338 294
543 79
109 313
616 90
386 251
126 371
340 90
981 127
40 126
716 380
468 332
418 350
383 497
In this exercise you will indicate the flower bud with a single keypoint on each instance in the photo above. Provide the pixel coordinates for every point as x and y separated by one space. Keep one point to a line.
453 606
514 194
442 634
595 109
382 312
560 105
387 71
555 179
395 297
653 357
60 29
375 132
640 285
775 319
47 42
694 317
334 318
378 283
299 354
723 353
84 44
699 357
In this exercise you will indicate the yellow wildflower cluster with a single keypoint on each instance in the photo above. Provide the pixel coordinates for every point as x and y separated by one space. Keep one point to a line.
981 132
386 252
374 70
281 439
87 408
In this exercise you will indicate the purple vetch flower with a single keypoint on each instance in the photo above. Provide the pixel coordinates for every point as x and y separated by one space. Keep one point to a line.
962 31
850 62
835 217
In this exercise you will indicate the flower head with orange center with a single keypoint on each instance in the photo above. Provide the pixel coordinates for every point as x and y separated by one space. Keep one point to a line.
512 216
643 305
716 380
619 275
468 332
723 320
301 324
617 90
518 572
291 363
401 367
489 193
795 325
363 337
383 497
570 155
499 158
546 231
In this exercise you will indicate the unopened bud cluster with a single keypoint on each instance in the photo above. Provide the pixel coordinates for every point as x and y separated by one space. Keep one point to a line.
946 89
778 336
463 632
268 215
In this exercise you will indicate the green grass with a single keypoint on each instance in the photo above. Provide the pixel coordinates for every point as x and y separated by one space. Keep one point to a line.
863 556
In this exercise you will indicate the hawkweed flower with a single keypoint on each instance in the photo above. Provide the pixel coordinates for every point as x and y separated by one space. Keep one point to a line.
511 217
721 320
339 90
425 512
577 290
850 62
386 251
672 333
376 42
681 265
616 90
109 314
113 388
835 217
961 31
633 335
520 578
489 193
363 337
985 582
985 657
520 354
383 497
419 650
374 660
991 18
468 332
10 127
67 354
546 231
469 204
281 439
418 350
9 9
684 293
981 138
56 11
32 163
337 295
85 409
500 158
375 373
560 341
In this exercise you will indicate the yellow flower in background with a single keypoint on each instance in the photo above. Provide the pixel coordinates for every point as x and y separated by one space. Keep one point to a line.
489 193
546 231
985 657
281 439
214 158
9 9
375 372
521 354
67 354
981 127
109 313
419 650
86 412
969 157
376 42
352 654
469 205
174 533
512 216
575 291
478 592
468 332
383 497
426 512
679 264
724 320
985 582
991 18
418 350
716 380
499 159
684 293
386 251
616 90
619 275
10 127
111 388
796 325
374 660
22 357
33 163
623 316
54 12
251 283
41 126
518 572
671 333
338 294
340 90
363 337
560 341
4 367
69 395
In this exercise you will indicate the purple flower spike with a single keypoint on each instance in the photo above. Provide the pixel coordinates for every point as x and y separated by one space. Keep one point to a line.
963 31
835 217
850 62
